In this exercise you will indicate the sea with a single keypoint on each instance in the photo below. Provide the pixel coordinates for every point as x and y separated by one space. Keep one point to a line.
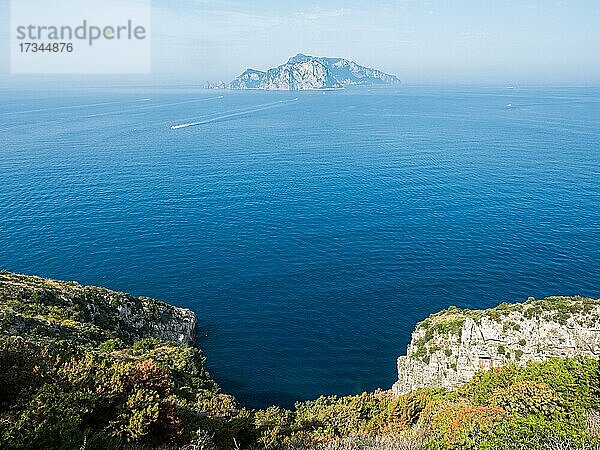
309 231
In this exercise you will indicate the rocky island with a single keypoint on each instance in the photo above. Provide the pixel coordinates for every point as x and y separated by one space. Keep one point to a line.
85 367
304 72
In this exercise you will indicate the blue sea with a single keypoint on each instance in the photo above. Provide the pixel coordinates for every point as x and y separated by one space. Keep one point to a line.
309 231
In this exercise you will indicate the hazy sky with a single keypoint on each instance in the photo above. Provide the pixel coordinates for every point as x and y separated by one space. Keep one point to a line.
422 41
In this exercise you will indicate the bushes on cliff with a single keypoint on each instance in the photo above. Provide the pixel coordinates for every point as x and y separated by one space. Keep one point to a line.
542 405
404 412
155 393
68 383
556 388
64 393
378 418
528 397
463 426
340 416
273 426
537 433
143 394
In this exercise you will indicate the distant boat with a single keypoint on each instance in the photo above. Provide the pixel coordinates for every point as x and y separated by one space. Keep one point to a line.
509 105
510 87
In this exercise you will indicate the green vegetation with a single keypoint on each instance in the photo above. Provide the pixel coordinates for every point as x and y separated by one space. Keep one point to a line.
437 325
76 376
446 326
559 309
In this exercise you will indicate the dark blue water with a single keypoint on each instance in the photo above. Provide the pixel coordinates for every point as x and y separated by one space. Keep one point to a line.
310 235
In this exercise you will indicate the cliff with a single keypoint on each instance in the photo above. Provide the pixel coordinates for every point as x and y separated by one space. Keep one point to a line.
449 347
304 72
86 367
48 309
348 73
250 79
298 76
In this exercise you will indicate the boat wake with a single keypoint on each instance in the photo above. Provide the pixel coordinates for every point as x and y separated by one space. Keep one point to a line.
145 108
58 108
234 113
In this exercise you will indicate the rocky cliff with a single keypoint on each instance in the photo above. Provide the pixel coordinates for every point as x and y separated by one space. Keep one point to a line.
449 347
77 370
348 73
304 72
250 79
298 76
43 308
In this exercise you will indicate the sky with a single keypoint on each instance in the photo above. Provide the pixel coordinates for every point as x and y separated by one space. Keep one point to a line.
421 41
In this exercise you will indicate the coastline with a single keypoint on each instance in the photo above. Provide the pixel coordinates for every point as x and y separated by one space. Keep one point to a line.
125 371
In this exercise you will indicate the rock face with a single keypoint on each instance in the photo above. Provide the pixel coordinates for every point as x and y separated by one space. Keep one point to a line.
303 72
449 347
217 85
66 310
348 73
250 79
306 75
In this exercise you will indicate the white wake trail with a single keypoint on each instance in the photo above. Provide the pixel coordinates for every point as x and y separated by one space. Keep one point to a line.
162 105
233 114
58 108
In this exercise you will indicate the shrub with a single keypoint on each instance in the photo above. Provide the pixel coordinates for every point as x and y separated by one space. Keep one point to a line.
76 378
575 381
147 344
340 416
527 397
404 412
536 433
273 425
463 426
592 422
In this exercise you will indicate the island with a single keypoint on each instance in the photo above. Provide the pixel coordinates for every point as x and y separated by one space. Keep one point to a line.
304 72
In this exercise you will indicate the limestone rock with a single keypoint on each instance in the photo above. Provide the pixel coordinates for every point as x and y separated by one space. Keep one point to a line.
449 347
66 310
304 72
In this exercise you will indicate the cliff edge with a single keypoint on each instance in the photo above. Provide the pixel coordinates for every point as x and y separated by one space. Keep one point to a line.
449 347
85 367
50 309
